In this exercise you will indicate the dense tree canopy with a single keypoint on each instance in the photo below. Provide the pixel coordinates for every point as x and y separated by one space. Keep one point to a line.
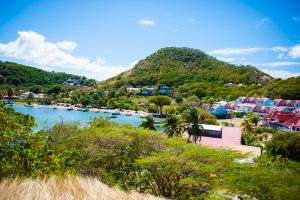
21 75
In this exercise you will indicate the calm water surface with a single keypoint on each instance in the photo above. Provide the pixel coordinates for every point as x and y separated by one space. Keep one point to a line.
46 117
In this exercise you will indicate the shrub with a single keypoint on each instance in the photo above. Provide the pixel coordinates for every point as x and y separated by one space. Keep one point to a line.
286 145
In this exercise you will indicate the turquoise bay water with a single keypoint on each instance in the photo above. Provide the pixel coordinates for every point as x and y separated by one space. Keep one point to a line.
46 117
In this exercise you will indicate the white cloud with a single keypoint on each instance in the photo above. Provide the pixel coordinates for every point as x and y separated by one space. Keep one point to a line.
297 19
33 47
147 22
278 64
295 51
281 73
243 51
66 45
234 51
225 59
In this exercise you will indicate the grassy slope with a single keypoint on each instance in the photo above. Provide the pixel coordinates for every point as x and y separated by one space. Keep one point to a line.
71 188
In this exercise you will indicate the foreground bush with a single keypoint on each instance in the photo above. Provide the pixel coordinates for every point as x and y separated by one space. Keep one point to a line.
69 188
150 162
286 145
24 153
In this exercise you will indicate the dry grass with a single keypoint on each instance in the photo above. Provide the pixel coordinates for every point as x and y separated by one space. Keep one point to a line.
69 188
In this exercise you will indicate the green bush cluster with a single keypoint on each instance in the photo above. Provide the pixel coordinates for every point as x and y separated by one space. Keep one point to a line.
24 153
150 162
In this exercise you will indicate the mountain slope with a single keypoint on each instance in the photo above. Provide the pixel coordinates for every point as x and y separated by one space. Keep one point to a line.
21 75
175 66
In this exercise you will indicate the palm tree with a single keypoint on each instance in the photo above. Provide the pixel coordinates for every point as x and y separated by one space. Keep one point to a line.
30 98
191 116
149 123
232 115
172 126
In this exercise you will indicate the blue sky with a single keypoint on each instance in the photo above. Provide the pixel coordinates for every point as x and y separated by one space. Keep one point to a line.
100 39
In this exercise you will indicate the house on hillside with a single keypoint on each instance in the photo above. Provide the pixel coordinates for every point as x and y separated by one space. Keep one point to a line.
245 107
293 124
292 103
277 102
282 109
148 91
264 101
240 100
297 111
277 119
230 106
218 110
261 111
253 100
231 85
10 100
288 103
165 90
133 89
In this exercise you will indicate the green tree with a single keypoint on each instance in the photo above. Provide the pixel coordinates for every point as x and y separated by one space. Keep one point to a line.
24 153
10 92
160 101
85 100
149 123
36 89
232 116
54 90
286 145
30 98
194 128
172 126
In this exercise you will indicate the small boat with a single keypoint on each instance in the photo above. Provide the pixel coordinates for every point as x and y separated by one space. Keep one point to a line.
106 112
27 105
116 113
113 116
142 116
85 110
128 114
79 109
157 122
54 107
70 108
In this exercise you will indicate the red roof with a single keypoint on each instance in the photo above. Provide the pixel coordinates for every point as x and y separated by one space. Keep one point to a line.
280 116
295 121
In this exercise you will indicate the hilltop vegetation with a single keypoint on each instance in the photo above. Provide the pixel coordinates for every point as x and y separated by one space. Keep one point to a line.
192 72
15 74
176 66
281 89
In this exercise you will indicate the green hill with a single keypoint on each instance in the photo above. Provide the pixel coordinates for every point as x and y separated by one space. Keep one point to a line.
176 66
24 76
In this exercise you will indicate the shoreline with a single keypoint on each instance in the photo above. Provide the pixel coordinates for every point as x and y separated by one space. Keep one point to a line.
124 112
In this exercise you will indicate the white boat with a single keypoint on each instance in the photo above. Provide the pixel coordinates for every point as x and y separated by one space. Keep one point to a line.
116 113
142 116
